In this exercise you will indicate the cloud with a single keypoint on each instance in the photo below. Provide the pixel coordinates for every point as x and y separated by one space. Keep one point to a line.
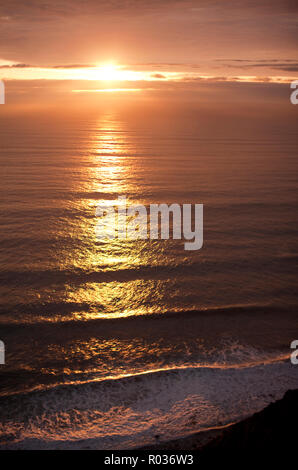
15 66
72 66
30 66
285 65
158 75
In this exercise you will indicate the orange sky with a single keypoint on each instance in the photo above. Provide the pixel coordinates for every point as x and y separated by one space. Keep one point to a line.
137 44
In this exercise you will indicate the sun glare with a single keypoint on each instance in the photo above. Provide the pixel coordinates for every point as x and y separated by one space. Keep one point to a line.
109 72
112 72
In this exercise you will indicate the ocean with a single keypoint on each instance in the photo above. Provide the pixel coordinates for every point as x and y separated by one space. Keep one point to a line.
114 344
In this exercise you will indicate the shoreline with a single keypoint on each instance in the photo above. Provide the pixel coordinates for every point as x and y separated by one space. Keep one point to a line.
197 440
270 430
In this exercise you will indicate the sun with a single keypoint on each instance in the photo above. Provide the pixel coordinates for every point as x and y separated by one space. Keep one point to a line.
111 72
108 72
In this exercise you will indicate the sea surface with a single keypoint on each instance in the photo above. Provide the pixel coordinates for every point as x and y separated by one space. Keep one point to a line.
113 344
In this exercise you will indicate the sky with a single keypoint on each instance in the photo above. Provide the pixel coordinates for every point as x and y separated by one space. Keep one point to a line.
93 45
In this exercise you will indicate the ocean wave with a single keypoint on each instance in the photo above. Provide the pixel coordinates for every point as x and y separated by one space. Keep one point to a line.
45 311
127 411
160 271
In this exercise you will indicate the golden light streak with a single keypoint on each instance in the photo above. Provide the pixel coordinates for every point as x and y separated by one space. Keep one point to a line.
119 73
109 90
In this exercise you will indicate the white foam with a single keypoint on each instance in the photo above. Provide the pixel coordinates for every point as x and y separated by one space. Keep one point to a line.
127 412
